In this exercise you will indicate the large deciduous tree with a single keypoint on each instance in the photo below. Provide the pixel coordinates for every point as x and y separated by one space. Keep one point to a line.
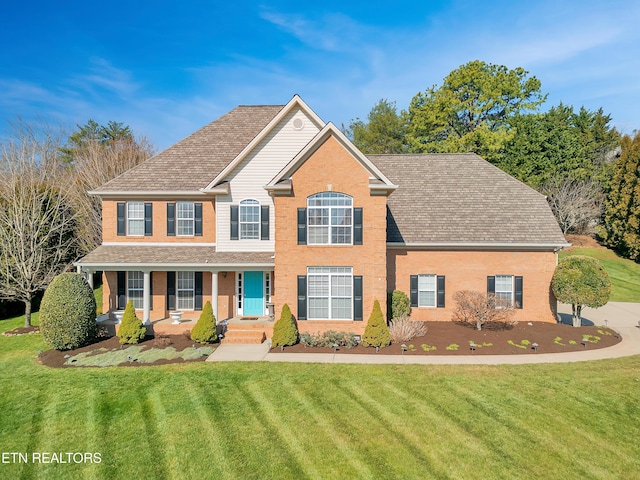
581 281
37 222
470 112
621 222
384 132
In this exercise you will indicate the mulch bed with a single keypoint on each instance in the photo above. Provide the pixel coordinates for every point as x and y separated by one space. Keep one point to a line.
56 359
443 334
22 331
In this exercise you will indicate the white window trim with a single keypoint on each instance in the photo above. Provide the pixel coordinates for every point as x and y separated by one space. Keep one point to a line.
192 290
329 227
141 290
245 203
435 290
129 219
192 219
329 297
512 291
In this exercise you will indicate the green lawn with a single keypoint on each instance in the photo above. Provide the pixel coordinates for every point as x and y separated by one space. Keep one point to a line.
624 274
255 420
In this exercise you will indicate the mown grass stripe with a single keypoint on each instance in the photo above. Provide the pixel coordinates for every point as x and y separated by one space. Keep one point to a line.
283 436
342 444
150 436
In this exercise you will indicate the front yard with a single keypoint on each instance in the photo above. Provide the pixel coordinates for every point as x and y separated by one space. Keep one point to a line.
253 420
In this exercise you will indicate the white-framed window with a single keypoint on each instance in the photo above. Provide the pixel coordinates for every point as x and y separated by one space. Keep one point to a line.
135 288
185 290
330 293
427 290
135 218
504 290
249 219
267 287
185 218
330 219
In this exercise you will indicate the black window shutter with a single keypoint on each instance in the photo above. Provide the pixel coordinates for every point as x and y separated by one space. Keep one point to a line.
148 219
440 303
413 290
357 226
197 227
264 222
302 226
121 219
171 290
122 291
150 290
171 219
198 291
491 284
302 297
357 298
518 292
234 222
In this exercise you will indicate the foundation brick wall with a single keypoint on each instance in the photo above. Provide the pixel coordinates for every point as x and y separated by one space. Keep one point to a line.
330 167
468 270
110 227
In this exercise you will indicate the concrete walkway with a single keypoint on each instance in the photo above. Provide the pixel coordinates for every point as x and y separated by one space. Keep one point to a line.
622 317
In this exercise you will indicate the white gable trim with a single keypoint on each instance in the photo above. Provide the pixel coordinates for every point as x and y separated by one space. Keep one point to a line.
296 101
330 130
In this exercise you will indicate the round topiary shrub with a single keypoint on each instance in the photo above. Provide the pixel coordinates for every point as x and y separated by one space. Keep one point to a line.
376 333
205 329
131 329
285 330
68 312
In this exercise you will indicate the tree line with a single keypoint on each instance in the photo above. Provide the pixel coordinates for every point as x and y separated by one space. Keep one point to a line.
47 218
576 158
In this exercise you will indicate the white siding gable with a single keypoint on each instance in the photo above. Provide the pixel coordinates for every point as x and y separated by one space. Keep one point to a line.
270 156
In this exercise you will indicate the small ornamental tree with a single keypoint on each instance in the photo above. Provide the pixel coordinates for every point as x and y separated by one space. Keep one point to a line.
581 281
475 309
68 312
400 304
205 329
376 333
131 329
285 330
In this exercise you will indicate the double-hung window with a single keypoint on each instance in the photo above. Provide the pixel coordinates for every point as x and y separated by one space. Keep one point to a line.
135 218
504 290
185 218
427 290
249 220
185 290
135 288
330 293
330 219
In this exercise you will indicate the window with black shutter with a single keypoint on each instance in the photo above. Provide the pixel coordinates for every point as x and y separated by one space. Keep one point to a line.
171 219
302 297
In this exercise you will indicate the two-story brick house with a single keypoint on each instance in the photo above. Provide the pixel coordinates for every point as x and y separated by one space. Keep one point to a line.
268 204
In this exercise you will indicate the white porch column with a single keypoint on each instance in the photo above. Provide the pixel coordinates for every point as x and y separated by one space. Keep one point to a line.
146 298
214 294
89 277
78 268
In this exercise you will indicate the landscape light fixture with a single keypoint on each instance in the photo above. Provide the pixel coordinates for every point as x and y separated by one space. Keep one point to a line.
534 346
472 346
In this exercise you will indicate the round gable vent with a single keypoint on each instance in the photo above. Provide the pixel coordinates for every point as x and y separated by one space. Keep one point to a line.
298 124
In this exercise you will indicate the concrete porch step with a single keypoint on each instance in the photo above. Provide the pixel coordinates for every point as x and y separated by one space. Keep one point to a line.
244 326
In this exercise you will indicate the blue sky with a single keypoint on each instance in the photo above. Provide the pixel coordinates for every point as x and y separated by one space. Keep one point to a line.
167 68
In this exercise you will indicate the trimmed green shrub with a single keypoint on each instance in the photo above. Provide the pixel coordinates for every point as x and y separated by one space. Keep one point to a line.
400 304
285 331
329 339
205 329
131 329
376 333
68 312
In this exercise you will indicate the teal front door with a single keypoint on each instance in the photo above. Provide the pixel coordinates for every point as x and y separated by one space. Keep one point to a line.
253 294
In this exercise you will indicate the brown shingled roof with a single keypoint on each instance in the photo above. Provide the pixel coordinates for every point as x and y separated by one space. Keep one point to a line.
173 255
196 160
461 198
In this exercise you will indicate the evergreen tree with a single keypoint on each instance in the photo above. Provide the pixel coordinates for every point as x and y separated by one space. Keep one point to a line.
385 131
205 329
131 329
285 330
376 333
621 223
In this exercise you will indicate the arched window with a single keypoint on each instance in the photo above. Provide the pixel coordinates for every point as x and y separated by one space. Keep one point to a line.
330 219
249 219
